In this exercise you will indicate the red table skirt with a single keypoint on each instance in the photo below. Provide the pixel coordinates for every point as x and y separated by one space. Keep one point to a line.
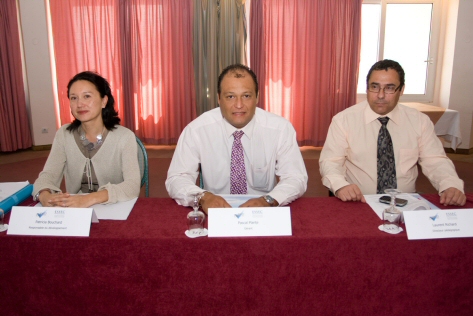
336 263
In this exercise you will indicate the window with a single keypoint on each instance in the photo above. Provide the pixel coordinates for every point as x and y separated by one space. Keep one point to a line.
406 31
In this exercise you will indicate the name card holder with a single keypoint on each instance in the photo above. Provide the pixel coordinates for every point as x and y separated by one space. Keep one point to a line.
51 221
249 221
433 224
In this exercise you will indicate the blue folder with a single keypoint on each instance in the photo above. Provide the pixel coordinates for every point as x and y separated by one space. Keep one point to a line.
16 198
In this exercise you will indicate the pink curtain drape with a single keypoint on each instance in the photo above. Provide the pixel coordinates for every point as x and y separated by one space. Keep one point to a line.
15 130
159 67
306 55
143 47
86 37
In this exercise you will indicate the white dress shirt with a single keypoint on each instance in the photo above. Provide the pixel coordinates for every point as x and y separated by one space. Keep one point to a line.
270 150
349 155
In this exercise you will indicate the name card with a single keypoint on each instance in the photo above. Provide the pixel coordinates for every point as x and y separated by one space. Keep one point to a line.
51 221
251 221
433 224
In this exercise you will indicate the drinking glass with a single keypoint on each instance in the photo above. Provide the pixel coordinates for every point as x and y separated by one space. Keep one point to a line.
391 215
3 227
195 218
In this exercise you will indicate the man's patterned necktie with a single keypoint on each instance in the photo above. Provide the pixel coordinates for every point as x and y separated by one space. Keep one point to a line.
237 168
386 164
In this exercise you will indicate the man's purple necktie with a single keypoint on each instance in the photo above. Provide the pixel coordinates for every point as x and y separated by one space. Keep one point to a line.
237 168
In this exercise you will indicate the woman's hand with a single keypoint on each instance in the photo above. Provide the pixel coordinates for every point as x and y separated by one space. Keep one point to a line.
76 200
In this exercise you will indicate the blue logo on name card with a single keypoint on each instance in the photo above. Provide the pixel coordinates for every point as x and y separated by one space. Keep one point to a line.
41 214
239 215
433 218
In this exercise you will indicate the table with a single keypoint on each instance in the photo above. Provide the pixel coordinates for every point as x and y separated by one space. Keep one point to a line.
336 263
446 122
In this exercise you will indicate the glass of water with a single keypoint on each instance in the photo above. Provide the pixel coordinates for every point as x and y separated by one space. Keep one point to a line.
195 218
391 215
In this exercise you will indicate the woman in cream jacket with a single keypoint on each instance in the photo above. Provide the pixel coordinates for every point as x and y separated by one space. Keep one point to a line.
94 153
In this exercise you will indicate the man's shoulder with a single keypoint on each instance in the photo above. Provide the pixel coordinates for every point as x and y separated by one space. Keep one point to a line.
208 123
410 110
354 110
412 114
207 118
266 118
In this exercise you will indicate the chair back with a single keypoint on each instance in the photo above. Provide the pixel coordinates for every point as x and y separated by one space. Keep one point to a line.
143 163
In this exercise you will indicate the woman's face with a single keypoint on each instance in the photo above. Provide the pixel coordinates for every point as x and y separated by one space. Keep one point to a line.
86 102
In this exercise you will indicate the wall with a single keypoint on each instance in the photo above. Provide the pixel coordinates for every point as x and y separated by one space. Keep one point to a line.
461 92
457 71
446 53
41 98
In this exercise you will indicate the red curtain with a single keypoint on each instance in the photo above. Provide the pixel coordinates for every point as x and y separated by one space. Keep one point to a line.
305 53
144 49
159 67
15 130
306 56
86 37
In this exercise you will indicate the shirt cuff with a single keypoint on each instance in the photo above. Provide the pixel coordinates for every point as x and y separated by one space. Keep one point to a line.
451 183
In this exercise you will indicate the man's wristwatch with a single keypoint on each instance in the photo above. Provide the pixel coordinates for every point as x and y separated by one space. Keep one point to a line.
269 199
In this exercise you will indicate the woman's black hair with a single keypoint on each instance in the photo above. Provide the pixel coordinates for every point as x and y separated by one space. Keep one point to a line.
109 115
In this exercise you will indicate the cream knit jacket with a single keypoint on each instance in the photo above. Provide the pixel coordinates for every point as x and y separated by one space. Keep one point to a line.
115 165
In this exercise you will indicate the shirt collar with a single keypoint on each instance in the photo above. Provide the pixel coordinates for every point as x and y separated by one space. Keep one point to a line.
371 116
247 129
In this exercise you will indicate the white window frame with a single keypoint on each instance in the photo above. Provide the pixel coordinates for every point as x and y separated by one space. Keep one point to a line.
432 60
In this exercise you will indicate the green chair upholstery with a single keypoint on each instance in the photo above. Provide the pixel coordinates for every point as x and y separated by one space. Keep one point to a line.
143 162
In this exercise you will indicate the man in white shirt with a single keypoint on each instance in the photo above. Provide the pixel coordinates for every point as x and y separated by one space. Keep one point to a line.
273 165
349 161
